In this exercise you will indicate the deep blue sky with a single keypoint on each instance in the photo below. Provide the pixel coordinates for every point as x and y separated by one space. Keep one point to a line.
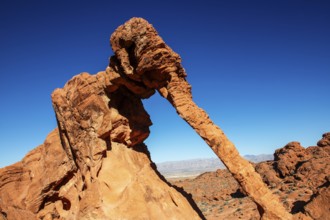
261 69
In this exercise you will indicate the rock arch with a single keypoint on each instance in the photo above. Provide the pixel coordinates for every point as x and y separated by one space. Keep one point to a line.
143 58
97 156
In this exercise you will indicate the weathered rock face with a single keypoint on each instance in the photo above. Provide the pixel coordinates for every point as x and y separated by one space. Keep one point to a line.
99 148
44 186
302 176
288 157
319 206
94 165
305 192
325 141
144 58
25 187
307 167
92 113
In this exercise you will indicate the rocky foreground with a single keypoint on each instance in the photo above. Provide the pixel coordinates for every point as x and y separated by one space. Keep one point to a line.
299 176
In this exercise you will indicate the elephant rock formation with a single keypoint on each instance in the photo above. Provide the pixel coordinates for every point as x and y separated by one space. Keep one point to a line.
95 165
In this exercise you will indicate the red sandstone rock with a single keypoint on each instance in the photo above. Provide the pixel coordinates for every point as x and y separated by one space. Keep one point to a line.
319 207
144 58
325 141
305 192
289 157
300 174
26 185
95 165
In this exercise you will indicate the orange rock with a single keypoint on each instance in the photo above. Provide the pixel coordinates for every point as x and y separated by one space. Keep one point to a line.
95 165
145 58
325 141
289 157
26 185
319 207
305 192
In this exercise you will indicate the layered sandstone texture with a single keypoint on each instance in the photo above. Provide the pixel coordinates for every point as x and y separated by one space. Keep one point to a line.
100 158
94 165
146 60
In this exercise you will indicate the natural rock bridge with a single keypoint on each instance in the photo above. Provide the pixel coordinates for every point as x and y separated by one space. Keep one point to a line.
95 165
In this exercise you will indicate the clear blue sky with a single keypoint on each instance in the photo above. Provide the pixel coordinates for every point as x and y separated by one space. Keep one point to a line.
261 69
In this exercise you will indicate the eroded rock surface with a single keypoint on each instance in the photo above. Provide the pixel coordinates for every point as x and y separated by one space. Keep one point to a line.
304 190
302 176
97 155
94 165
26 186
144 58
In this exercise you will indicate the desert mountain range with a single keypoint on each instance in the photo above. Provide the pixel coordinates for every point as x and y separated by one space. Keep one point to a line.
193 167
95 164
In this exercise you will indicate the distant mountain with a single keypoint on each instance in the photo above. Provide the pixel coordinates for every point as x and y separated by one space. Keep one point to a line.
259 158
193 167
